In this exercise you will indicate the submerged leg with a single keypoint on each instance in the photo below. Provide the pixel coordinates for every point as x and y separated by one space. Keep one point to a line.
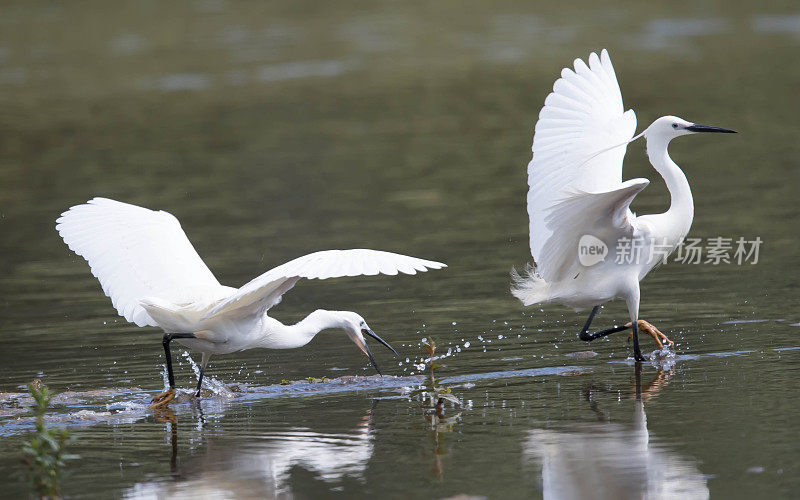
203 365
165 397
637 353
633 309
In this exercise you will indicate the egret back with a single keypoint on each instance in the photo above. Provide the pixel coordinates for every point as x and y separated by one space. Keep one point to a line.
582 117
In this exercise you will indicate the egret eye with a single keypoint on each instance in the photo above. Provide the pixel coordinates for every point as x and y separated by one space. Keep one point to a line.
674 125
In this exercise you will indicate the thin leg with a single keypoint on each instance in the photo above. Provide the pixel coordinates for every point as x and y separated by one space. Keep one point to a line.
203 365
588 337
637 353
633 310
633 325
168 337
168 395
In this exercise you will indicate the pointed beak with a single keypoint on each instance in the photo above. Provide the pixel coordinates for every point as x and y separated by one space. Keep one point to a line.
364 347
374 335
706 128
366 350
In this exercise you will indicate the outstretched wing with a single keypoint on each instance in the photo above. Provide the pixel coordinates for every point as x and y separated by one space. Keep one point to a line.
266 290
137 253
581 117
605 216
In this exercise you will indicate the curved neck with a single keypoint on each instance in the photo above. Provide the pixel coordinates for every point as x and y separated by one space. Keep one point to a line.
280 336
681 210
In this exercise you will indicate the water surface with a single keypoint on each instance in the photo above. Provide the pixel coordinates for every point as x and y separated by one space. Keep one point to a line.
274 130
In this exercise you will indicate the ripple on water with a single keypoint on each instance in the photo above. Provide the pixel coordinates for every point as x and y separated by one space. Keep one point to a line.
95 407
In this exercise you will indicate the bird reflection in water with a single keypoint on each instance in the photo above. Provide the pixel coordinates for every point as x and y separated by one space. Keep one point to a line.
608 460
264 468
167 416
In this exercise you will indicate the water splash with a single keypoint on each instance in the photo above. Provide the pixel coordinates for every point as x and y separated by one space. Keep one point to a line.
216 387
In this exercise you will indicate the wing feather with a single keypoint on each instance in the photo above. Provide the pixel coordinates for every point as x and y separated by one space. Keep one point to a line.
581 117
137 253
605 215
265 291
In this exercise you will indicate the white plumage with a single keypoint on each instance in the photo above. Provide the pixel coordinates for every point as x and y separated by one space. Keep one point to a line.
267 289
137 253
142 256
581 117
154 277
576 192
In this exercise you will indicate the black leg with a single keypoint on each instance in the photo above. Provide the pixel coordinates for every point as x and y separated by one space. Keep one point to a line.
588 337
203 364
200 380
166 340
637 353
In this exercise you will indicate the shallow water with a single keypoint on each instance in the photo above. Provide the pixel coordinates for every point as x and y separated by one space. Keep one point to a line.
274 130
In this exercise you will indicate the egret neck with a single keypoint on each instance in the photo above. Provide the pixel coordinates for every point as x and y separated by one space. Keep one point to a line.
277 335
673 224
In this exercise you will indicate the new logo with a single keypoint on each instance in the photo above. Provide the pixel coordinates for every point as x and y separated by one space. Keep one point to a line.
591 250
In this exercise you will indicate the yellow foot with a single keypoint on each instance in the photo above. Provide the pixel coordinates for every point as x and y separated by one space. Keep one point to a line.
163 399
644 326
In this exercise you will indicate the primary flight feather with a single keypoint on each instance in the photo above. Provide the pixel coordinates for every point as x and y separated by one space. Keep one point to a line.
154 277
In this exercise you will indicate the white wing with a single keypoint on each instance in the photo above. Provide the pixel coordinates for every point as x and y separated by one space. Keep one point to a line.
605 215
266 290
137 253
581 117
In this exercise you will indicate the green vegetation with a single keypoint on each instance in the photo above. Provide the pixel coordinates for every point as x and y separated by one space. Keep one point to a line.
434 395
45 451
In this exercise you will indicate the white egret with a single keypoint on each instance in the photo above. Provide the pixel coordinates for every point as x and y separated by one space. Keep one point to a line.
587 245
154 276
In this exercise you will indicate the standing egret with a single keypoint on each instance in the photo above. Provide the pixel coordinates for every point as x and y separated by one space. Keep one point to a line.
154 276
587 245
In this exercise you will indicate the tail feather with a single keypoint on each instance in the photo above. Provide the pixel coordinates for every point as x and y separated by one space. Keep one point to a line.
530 288
172 318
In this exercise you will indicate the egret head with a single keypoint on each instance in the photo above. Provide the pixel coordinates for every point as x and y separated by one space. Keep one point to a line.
355 327
670 127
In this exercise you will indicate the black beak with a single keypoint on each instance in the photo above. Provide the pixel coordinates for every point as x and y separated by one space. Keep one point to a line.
375 336
707 128
371 359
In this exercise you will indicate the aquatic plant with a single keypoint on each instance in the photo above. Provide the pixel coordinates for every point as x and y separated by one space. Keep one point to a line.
433 397
45 451
433 394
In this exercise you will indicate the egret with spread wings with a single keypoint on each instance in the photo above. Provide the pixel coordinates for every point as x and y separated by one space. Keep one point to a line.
154 276
587 245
